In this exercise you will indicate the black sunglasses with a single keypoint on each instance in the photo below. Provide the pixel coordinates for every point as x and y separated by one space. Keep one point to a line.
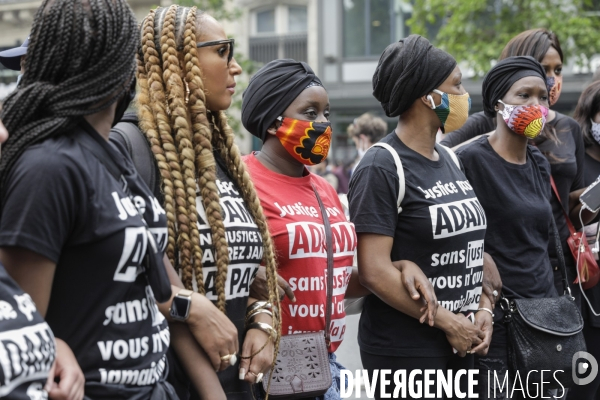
231 42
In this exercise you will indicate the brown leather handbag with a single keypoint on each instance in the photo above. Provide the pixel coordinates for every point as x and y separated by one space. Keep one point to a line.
582 254
302 366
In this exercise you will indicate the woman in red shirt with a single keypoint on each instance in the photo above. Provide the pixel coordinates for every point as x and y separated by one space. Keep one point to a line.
287 107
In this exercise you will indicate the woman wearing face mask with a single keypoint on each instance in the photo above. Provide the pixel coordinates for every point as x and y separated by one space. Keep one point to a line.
422 86
512 182
561 142
587 114
286 106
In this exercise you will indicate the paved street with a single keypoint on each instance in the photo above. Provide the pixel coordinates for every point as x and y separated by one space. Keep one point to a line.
348 354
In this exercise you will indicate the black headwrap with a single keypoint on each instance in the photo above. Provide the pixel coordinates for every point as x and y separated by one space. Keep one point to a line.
407 70
503 75
271 90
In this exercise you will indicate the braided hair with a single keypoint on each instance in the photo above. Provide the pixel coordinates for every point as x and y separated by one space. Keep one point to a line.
80 61
183 135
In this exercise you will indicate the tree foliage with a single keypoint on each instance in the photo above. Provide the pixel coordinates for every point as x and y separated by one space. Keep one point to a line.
476 31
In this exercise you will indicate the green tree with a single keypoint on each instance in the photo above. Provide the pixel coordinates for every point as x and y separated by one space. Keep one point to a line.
476 31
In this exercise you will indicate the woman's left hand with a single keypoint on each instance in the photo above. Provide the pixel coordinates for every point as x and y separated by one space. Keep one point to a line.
484 321
250 368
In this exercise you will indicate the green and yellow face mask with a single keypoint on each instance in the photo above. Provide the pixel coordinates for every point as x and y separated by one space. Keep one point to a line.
453 111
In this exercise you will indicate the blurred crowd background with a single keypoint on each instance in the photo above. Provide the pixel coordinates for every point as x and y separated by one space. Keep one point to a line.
343 39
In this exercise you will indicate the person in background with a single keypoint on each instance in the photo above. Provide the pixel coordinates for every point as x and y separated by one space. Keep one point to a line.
287 107
596 75
365 131
15 58
587 114
561 142
324 170
422 86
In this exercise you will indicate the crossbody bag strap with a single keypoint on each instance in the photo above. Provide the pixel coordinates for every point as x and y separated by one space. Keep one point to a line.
329 243
561 258
555 190
89 142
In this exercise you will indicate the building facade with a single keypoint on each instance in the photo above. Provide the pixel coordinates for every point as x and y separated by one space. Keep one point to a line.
344 39
340 39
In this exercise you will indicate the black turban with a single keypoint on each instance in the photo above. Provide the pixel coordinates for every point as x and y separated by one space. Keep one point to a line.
271 90
407 70
503 75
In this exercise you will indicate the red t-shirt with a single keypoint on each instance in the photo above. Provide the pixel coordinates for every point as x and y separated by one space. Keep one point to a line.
296 224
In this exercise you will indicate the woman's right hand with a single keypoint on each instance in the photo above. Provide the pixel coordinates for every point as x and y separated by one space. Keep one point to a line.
419 287
213 331
463 334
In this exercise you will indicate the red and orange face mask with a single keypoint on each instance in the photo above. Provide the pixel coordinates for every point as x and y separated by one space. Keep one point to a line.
306 141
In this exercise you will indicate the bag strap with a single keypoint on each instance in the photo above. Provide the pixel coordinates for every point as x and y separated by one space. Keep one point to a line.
92 144
140 151
555 190
451 154
399 170
561 258
329 241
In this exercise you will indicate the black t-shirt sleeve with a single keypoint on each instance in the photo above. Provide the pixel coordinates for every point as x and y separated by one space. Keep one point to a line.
579 181
45 192
477 124
373 195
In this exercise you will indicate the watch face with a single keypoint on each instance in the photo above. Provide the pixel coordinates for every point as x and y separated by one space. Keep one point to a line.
179 306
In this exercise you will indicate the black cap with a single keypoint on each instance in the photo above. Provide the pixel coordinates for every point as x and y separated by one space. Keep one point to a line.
11 58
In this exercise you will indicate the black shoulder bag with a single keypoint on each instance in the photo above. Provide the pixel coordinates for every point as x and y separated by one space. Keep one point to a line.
302 366
544 333
155 272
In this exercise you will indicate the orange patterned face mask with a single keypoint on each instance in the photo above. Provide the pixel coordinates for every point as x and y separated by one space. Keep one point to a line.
306 141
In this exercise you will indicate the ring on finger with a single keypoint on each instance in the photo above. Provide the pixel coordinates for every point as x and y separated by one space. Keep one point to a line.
258 376
230 358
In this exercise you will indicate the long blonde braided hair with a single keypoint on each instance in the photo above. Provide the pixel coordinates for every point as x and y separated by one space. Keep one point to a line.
183 135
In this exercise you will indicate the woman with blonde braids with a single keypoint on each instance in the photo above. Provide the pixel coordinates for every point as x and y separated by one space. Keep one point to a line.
217 235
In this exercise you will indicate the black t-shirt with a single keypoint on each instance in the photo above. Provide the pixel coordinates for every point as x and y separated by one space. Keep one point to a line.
441 228
566 162
27 348
245 255
592 171
63 204
515 200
